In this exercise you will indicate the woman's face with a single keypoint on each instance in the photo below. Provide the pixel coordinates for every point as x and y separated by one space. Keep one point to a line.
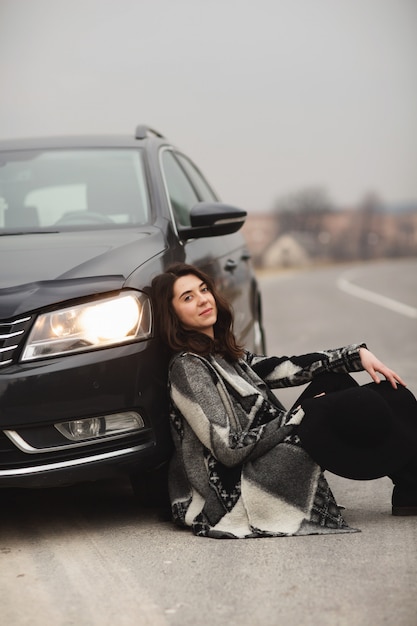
194 304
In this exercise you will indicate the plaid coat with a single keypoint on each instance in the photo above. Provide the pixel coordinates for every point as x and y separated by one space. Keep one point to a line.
238 469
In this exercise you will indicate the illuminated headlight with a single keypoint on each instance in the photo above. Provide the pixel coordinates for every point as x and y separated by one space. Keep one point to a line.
94 427
90 325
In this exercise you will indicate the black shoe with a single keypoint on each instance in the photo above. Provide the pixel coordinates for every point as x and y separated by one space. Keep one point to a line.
404 510
404 500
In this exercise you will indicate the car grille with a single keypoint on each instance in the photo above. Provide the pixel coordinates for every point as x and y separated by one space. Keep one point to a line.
11 338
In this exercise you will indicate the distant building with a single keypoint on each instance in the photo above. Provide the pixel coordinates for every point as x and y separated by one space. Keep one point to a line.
339 235
290 250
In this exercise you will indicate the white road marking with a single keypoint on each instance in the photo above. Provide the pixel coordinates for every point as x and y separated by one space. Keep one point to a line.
359 292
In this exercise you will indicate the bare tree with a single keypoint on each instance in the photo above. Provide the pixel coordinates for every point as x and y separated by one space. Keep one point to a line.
303 210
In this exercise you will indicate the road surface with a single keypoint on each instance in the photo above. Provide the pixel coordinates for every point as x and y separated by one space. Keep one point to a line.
89 555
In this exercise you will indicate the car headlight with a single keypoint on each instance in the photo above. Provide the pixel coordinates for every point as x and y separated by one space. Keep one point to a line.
90 325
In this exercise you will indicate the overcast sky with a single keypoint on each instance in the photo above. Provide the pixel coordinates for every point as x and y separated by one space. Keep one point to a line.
267 96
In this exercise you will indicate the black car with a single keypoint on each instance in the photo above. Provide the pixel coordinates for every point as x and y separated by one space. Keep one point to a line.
85 224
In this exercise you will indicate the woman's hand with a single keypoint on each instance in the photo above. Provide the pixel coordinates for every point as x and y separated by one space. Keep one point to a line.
373 365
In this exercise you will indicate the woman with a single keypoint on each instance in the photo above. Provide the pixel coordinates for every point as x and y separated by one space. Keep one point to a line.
239 468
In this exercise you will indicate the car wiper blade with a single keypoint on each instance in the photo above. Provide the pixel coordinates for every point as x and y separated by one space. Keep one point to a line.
28 232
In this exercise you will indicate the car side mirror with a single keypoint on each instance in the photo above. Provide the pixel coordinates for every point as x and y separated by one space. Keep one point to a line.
211 219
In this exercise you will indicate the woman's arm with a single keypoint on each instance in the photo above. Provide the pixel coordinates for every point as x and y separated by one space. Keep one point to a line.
297 370
204 403
372 365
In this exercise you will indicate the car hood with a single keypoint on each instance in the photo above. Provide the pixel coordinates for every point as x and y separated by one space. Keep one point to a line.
37 270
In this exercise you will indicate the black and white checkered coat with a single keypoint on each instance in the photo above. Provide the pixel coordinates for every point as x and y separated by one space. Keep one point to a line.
238 469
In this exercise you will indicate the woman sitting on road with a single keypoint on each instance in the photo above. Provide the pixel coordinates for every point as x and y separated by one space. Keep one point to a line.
243 465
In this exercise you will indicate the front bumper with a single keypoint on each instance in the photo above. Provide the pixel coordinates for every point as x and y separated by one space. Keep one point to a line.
35 396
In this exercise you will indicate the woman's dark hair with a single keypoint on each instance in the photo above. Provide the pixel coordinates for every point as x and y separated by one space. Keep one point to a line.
170 329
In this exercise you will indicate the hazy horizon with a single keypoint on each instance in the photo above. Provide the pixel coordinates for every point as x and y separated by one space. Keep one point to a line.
267 97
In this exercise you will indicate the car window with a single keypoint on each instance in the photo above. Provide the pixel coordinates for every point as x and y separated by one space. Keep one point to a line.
204 190
182 194
72 189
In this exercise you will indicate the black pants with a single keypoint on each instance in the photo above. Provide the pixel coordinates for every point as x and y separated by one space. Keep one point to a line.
330 382
326 383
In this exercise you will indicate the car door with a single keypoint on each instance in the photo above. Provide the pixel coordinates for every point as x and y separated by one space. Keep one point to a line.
226 257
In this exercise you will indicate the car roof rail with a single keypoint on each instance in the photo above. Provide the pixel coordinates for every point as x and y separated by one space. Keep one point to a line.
142 131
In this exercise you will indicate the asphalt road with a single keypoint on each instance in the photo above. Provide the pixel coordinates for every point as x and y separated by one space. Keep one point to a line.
88 555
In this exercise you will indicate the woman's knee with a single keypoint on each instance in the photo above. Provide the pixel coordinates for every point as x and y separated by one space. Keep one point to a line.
400 400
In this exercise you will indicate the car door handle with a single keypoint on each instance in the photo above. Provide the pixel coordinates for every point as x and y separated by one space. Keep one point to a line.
230 265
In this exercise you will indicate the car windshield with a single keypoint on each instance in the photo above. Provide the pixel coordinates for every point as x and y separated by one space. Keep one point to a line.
56 190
